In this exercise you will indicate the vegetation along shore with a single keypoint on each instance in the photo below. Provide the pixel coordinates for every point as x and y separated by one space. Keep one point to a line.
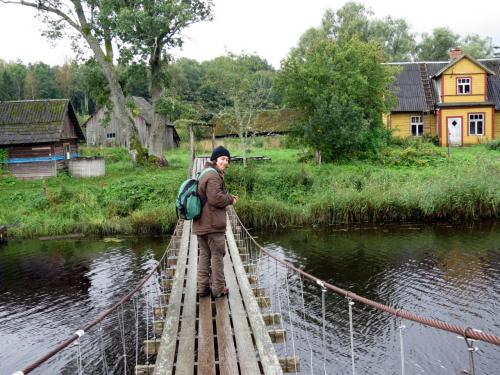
410 181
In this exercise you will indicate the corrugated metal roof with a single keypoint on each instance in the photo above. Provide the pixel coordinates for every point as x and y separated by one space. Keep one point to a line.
34 121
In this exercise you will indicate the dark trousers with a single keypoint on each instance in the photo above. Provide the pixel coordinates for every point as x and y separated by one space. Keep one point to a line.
211 262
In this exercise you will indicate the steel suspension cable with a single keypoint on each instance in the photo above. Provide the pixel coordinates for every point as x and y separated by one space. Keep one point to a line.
304 318
401 327
279 307
351 331
103 350
323 325
465 332
290 318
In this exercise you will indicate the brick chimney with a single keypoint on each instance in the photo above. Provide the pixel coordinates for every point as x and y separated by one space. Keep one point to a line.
455 53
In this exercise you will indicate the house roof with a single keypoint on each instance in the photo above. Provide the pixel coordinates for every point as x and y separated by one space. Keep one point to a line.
146 109
264 122
455 61
35 121
409 85
147 113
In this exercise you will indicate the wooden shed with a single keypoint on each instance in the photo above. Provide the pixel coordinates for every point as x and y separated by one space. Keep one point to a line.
105 133
39 136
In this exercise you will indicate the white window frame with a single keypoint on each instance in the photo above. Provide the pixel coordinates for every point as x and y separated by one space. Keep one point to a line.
417 122
110 136
474 119
462 84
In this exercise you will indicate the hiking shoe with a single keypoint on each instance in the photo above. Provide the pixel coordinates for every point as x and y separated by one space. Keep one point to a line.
224 293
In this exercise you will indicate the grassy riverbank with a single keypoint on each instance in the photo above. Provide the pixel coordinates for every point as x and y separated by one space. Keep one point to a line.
404 183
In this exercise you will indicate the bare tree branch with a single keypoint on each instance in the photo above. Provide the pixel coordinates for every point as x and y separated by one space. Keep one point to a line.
46 8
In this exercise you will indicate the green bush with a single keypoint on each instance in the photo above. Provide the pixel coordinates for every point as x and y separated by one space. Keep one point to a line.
414 153
494 145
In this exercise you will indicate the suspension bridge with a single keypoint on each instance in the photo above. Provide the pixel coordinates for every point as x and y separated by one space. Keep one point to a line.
163 327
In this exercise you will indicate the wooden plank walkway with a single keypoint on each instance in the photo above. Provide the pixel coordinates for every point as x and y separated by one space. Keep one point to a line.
205 336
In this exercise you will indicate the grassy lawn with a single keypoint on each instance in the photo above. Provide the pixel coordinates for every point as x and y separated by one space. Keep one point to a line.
416 183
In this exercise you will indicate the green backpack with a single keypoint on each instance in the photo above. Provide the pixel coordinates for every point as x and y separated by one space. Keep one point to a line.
188 202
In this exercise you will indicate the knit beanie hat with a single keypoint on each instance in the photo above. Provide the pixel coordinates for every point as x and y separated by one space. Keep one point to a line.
219 151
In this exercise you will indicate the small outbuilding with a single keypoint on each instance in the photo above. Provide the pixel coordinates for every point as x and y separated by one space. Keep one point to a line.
104 132
39 136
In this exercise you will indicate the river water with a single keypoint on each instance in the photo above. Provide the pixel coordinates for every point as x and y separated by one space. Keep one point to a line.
452 273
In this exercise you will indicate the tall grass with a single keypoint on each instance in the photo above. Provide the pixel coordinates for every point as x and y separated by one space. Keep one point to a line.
283 192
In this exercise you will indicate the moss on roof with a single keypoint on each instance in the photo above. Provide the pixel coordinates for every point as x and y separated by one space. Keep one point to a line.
32 121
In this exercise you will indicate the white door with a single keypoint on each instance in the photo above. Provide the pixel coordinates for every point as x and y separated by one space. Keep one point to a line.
455 130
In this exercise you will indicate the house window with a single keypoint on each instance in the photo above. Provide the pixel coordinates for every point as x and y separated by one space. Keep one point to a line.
417 126
476 123
110 135
67 151
463 86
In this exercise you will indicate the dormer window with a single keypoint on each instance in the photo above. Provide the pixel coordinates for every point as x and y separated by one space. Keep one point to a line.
463 86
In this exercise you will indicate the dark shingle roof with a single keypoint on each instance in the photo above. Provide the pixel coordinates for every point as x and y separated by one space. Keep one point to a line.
409 89
147 113
35 121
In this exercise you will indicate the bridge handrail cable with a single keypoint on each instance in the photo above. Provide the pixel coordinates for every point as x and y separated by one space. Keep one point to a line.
81 331
466 332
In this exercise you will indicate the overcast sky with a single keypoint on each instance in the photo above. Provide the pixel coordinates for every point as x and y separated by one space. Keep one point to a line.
267 27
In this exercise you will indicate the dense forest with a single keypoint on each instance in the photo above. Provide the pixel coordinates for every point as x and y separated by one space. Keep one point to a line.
343 52
193 86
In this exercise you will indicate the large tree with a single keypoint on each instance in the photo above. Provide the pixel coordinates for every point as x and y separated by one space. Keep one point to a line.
343 90
354 20
148 28
477 46
240 87
141 28
436 46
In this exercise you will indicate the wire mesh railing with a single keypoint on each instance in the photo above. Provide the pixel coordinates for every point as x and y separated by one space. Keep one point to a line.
296 297
123 339
295 305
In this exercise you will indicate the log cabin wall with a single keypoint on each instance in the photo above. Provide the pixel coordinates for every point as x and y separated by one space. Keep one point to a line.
40 160
32 161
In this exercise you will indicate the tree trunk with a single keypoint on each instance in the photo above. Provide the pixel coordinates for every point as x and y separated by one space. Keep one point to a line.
318 157
243 142
120 111
158 131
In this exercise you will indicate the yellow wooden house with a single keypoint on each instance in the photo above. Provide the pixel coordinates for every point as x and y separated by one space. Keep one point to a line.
457 100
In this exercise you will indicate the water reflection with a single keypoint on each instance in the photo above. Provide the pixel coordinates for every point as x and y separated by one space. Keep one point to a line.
444 272
49 289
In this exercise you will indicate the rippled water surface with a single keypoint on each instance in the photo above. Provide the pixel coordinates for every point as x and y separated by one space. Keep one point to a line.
48 289
450 273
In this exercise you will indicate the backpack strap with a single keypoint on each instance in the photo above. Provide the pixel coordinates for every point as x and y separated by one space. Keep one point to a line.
206 170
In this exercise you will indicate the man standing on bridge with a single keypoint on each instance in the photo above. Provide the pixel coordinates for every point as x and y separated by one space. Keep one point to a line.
210 227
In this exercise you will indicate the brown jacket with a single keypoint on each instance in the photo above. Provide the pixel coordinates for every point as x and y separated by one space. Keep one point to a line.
211 191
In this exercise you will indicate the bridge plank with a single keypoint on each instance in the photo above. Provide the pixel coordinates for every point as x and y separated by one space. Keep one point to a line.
166 354
206 350
245 347
185 352
267 354
227 353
